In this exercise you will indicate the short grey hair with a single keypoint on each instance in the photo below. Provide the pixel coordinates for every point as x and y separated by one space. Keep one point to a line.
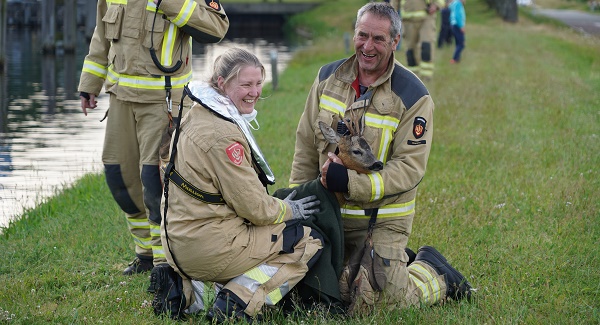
229 64
383 10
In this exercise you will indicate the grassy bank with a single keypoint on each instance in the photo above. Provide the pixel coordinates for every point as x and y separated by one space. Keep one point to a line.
511 195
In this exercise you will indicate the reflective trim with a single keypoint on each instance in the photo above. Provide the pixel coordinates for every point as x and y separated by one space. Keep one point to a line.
168 45
377 188
139 223
185 13
283 209
332 105
147 82
151 6
431 288
388 126
259 275
386 211
117 2
155 230
94 68
145 243
414 14
158 251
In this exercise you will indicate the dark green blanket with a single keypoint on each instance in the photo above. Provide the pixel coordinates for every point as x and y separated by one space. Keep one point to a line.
320 285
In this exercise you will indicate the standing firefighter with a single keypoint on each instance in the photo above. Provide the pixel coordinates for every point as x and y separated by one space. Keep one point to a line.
419 23
141 52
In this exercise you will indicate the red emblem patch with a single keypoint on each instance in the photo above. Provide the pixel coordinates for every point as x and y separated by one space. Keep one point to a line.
235 152
419 127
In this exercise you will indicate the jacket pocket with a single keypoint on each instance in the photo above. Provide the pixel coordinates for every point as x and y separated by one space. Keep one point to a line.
113 20
154 30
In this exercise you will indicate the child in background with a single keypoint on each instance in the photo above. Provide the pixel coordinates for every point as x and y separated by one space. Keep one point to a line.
458 19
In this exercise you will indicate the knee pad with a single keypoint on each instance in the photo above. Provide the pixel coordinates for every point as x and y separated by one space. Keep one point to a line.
116 184
410 58
152 191
426 51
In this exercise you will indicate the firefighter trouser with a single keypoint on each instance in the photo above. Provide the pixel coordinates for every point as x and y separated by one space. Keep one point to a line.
259 282
130 158
406 286
419 38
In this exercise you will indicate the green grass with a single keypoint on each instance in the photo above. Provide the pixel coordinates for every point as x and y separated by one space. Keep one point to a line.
511 195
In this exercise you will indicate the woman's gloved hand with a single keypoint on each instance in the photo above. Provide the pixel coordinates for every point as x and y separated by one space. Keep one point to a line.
302 208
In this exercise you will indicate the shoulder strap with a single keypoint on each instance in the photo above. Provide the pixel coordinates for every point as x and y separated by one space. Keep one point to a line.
168 171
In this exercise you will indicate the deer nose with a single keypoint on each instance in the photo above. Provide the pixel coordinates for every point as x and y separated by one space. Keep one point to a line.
377 166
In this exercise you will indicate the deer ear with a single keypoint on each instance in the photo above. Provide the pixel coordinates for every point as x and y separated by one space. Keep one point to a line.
330 134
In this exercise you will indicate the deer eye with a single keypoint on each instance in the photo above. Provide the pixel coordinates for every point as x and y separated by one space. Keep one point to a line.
357 152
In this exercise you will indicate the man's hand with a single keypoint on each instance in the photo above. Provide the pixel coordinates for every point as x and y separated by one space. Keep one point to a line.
87 101
331 157
301 208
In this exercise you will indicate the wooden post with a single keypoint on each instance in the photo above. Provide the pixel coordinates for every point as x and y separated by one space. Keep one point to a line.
3 24
48 26
69 26
274 74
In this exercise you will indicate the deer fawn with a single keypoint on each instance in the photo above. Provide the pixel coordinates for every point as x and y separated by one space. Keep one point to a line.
354 151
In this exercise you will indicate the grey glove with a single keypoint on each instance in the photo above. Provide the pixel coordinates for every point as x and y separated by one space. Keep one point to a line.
301 208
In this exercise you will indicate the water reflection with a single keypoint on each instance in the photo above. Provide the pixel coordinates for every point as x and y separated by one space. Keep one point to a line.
46 143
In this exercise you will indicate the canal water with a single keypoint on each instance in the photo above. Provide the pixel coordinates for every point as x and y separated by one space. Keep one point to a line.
46 143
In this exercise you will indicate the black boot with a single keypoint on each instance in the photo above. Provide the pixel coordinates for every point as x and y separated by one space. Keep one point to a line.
227 306
457 285
139 265
168 296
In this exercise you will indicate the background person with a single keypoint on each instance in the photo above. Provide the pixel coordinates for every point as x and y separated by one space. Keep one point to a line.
445 35
420 33
458 19
247 240
128 38
396 111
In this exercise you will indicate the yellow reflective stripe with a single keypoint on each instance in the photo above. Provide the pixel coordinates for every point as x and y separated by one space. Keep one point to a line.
377 188
94 68
332 105
144 243
388 125
157 251
185 13
138 223
283 209
381 121
397 210
293 185
414 14
154 230
147 82
151 6
257 275
432 285
118 2
386 211
275 296
421 286
426 65
168 45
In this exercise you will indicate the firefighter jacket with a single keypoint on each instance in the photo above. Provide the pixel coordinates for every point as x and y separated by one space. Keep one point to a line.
417 9
214 156
398 126
119 55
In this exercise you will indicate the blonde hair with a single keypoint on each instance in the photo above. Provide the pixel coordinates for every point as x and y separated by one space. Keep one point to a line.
229 64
